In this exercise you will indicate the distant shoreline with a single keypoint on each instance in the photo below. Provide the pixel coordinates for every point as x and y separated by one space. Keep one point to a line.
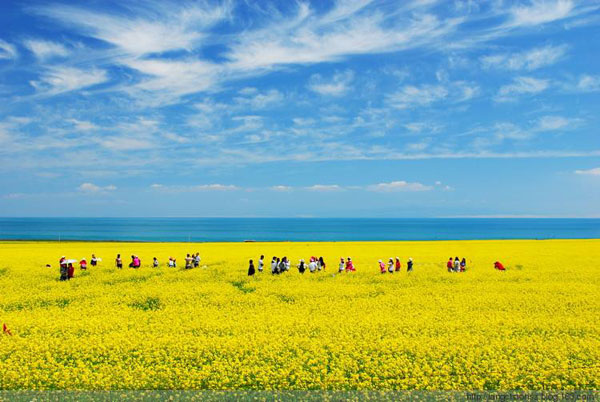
293 241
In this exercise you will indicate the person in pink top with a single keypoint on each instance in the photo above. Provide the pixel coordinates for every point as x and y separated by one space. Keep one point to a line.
83 264
350 265
381 267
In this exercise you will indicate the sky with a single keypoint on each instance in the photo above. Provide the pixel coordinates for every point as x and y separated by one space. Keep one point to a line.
356 108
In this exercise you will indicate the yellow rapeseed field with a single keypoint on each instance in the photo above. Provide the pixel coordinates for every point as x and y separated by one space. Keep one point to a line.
535 326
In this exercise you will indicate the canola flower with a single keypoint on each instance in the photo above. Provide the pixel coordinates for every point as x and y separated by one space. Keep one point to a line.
533 327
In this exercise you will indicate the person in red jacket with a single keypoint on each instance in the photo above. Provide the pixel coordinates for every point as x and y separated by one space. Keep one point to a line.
71 269
398 265
498 265
450 265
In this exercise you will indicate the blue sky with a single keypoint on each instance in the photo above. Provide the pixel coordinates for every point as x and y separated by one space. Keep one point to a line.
418 108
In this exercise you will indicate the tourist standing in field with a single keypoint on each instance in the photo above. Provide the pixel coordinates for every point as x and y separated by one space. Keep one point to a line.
188 262
282 265
197 260
274 265
288 263
312 265
301 266
350 265
83 264
398 265
155 262
119 261
171 262
251 270
94 260
456 265
450 264
70 270
342 265
409 265
381 267
391 266
64 270
321 263
463 265
261 263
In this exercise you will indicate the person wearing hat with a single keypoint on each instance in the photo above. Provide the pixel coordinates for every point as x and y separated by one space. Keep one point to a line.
342 265
64 270
381 267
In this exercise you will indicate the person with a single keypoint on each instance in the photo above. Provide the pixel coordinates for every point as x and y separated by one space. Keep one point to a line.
274 265
71 271
301 266
342 265
350 265
322 263
463 265
391 266
94 260
64 271
288 263
281 265
137 262
409 265
188 262
381 267
450 265
398 265
498 265
456 265
197 260
119 261
312 265
261 263
171 262
251 268
132 263
83 264
155 262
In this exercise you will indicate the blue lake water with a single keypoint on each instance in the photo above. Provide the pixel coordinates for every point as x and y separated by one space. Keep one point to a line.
293 229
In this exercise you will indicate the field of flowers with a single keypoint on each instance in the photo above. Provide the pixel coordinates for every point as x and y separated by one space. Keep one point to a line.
534 326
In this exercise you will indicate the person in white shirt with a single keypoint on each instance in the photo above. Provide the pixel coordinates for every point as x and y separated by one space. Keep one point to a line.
312 266
261 263
391 266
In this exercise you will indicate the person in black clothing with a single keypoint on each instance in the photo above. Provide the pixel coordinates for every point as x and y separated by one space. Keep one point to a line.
301 267
251 269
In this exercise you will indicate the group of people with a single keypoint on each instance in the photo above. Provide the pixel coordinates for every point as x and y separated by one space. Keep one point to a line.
456 264
281 265
394 265
67 269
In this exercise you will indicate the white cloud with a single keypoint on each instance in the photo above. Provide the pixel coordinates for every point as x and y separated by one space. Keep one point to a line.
324 187
81 125
588 83
194 188
261 100
7 51
156 29
527 60
281 188
338 85
590 172
400 185
60 79
45 50
409 96
521 86
541 12
548 123
93 188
